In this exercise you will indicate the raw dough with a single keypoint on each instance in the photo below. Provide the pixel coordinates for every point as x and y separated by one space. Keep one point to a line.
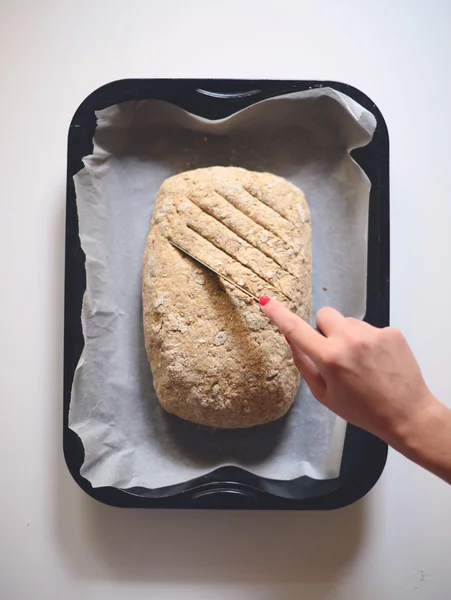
216 359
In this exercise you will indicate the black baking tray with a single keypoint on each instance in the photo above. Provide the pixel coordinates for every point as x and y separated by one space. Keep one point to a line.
364 455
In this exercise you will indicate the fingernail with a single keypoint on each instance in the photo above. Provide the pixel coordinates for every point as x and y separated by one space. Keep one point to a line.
288 341
264 300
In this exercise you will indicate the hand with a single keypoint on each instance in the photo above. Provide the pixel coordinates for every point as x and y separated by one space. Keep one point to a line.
369 377
366 375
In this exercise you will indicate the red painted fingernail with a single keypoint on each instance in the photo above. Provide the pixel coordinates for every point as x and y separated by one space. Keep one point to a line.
264 300
288 341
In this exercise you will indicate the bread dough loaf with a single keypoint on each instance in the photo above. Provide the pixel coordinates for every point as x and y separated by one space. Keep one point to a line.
216 359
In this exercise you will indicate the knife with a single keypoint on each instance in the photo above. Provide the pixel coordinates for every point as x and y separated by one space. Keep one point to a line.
213 270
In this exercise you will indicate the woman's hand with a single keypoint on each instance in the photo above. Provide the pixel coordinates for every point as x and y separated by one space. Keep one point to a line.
368 376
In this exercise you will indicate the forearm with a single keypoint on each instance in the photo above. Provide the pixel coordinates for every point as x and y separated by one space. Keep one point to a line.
426 439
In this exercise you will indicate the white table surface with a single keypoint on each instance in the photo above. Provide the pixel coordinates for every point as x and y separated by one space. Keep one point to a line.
57 542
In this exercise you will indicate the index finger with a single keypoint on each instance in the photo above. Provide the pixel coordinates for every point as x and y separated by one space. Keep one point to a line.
298 331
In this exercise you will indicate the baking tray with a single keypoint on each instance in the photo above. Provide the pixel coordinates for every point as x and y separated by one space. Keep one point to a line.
364 455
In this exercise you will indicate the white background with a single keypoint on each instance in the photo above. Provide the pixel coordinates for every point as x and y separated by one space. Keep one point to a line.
54 540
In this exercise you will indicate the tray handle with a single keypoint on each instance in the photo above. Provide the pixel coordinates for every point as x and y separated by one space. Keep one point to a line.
222 92
225 498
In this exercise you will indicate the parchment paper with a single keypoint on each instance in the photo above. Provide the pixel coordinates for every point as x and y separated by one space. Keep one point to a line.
305 137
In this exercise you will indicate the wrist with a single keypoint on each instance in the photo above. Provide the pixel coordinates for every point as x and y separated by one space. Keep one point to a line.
425 437
407 433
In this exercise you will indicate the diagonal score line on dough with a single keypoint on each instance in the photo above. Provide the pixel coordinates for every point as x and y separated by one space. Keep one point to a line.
245 195
253 219
269 253
241 240
246 191
248 267
210 268
203 249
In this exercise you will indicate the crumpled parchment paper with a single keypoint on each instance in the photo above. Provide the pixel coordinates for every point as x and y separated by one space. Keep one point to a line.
305 137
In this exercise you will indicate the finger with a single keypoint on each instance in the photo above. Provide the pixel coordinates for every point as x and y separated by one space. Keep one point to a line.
329 320
300 333
309 372
359 324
